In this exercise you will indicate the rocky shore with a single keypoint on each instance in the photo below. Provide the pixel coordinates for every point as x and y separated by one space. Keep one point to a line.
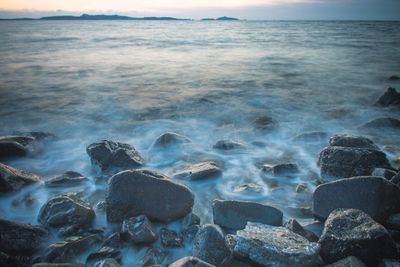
355 206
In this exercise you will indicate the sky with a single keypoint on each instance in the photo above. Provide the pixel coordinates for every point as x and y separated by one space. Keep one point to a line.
197 9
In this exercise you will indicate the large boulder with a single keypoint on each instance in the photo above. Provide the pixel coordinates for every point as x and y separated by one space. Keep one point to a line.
15 146
12 179
109 155
376 196
189 261
169 139
143 192
199 171
275 246
348 140
65 210
351 232
390 97
70 178
234 214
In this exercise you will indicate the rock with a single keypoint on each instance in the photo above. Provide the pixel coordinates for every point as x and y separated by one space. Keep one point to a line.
144 192
26 200
104 253
390 97
275 246
386 173
170 238
234 214
152 256
393 222
295 227
248 187
189 261
281 170
349 261
231 261
265 123
65 210
70 178
209 244
376 196
389 263
342 162
190 219
69 249
21 239
15 146
311 137
348 140
38 135
387 124
229 145
113 240
110 155
169 139
302 188
190 232
316 227
199 171
396 179
351 232
14 260
394 78
302 212
12 179
110 262
140 230
48 264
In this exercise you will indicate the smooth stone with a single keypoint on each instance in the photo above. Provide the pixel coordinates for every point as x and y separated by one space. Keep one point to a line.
275 246
296 227
349 261
374 195
153 256
390 97
140 230
70 178
190 261
352 232
248 187
199 171
234 214
265 123
281 170
109 262
379 124
110 155
104 253
170 238
228 144
13 180
144 192
169 139
348 140
311 137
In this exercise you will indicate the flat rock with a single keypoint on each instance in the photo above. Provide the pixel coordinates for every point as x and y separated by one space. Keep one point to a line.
281 170
390 97
70 178
170 238
348 140
12 179
379 124
351 232
228 144
349 261
140 230
234 214
169 139
65 210
374 195
296 227
15 146
144 192
199 171
109 155
275 246
190 261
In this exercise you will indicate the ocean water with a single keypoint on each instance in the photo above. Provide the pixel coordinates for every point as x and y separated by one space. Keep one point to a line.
130 81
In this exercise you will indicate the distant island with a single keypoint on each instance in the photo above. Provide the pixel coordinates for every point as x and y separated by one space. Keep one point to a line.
221 18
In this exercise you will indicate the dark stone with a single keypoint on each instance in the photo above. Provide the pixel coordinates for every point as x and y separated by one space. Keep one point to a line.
189 261
394 78
110 262
12 179
386 173
14 260
348 140
390 97
169 139
170 238
349 261
209 244
302 212
38 135
70 178
65 210
110 155
229 145
311 138
190 219
152 256
140 230
265 123
281 170
144 192
234 214
295 227
15 146
113 240
275 246
190 232
374 195
104 253
393 222
316 227
232 261
351 232
396 179
21 239
387 124
199 171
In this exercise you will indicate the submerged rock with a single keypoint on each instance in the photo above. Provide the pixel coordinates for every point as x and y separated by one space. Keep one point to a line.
387 124
228 144
296 227
190 219
390 97
169 139
70 178
110 155
311 137
275 246
199 171
265 123
38 135
144 192
12 179
349 261
234 214
189 261
15 146
281 170
351 232
376 196
248 187
348 140
140 230
170 238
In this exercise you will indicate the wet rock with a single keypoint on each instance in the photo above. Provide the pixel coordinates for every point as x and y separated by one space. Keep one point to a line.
26 200
231 261
393 222
389 263
302 188
190 232
302 212
396 179
349 261
228 144
70 178
144 192
189 261
316 227
386 173
110 155
311 137
351 232
199 171
21 239
170 238
387 124
209 244
281 170
234 214
110 262
374 195
69 249
295 227
390 97
14 260
394 78
65 210
169 139
104 253
152 256
113 240
140 230
38 135
275 246
348 140
12 179
190 219
248 187
265 123
48 264
15 146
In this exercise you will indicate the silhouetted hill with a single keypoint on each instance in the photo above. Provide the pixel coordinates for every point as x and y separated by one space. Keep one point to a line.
105 17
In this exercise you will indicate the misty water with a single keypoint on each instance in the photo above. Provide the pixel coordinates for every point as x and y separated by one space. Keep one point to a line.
131 81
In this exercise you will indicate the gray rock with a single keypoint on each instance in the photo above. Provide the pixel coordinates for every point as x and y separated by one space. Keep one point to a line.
104 253
110 262
265 123
152 256
169 139
386 173
234 214
109 155
342 162
379 124
199 171
348 140
390 97
374 195
15 146
65 210
190 219
349 261
311 137
209 244
170 238
393 222
229 145
140 230
12 179
70 178
275 246
21 239
296 227
351 232
189 261
48 264
281 170
144 192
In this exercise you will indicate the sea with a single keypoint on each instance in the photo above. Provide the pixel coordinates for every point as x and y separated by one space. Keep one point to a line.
131 81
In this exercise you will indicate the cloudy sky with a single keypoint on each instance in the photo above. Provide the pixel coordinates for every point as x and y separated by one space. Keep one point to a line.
244 9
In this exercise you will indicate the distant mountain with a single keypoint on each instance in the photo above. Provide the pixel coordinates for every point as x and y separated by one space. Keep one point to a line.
105 17
227 18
